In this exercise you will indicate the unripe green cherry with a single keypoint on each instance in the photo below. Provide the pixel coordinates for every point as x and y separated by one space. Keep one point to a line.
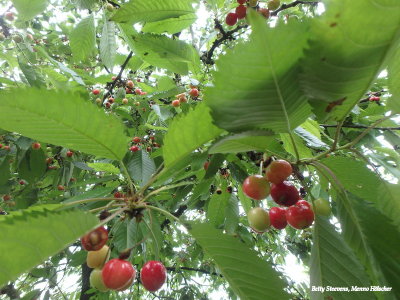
322 207
96 280
258 219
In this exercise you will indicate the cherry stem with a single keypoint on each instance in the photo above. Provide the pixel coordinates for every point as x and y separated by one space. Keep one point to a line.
167 187
90 200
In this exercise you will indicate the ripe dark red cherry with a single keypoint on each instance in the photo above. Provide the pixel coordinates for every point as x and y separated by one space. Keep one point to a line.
277 217
206 164
134 148
36 146
117 274
264 12
256 187
194 92
278 171
241 1
153 275
69 153
95 239
304 203
22 182
136 139
258 219
241 11
299 216
231 19
118 195
284 193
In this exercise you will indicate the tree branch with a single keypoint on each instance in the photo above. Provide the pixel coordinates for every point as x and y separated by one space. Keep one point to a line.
293 4
123 66
176 269
85 283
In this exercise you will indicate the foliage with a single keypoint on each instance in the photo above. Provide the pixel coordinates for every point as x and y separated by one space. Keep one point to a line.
93 82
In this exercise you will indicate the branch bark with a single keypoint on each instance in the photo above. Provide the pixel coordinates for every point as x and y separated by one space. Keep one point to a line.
85 282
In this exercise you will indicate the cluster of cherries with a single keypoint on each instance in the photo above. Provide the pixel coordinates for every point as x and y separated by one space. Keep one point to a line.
137 141
181 98
241 10
298 213
117 274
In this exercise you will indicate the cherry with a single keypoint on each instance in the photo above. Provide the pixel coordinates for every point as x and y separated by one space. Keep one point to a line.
9 16
277 216
128 91
108 104
182 99
137 103
1 146
264 12
117 274
110 7
175 103
125 101
206 164
274 4
194 93
322 207
148 149
113 78
231 19
241 1
136 139
304 203
284 193
153 275
7 148
278 171
95 239
99 101
60 187
36 146
130 84
118 195
138 91
95 91
253 3
374 98
134 148
69 153
299 216
6 198
256 187
111 100
96 280
258 219
241 11
22 182
96 259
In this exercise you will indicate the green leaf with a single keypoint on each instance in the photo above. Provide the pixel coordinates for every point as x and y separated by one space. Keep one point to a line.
249 276
334 264
95 193
164 52
152 10
310 139
141 167
32 236
394 82
104 167
172 25
347 51
256 85
244 200
245 141
188 132
83 39
33 165
108 44
27 9
64 119
358 179
216 208
232 214
34 78
5 172
303 150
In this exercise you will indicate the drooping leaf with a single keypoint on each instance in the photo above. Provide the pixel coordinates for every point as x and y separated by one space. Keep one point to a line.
140 166
256 84
347 51
27 9
188 132
172 25
83 39
33 236
64 119
152 10
249 276
328 247
108 44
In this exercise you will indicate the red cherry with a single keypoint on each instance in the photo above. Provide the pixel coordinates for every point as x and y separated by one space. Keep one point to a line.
60 187
153 275
9 16
256 187
113 78
128 91
136 139
7 148
95 240
374 98
284 193
36 146
277 217
148 149
108 104
117 273
303 203
95 91
1 146
49 160
69 153
130 84
111 100
241 1
118 195
175 103
22 182
231 19
278 171
206 164
194 93
264 12
138 91
299 216
6 198
134 148
241 11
